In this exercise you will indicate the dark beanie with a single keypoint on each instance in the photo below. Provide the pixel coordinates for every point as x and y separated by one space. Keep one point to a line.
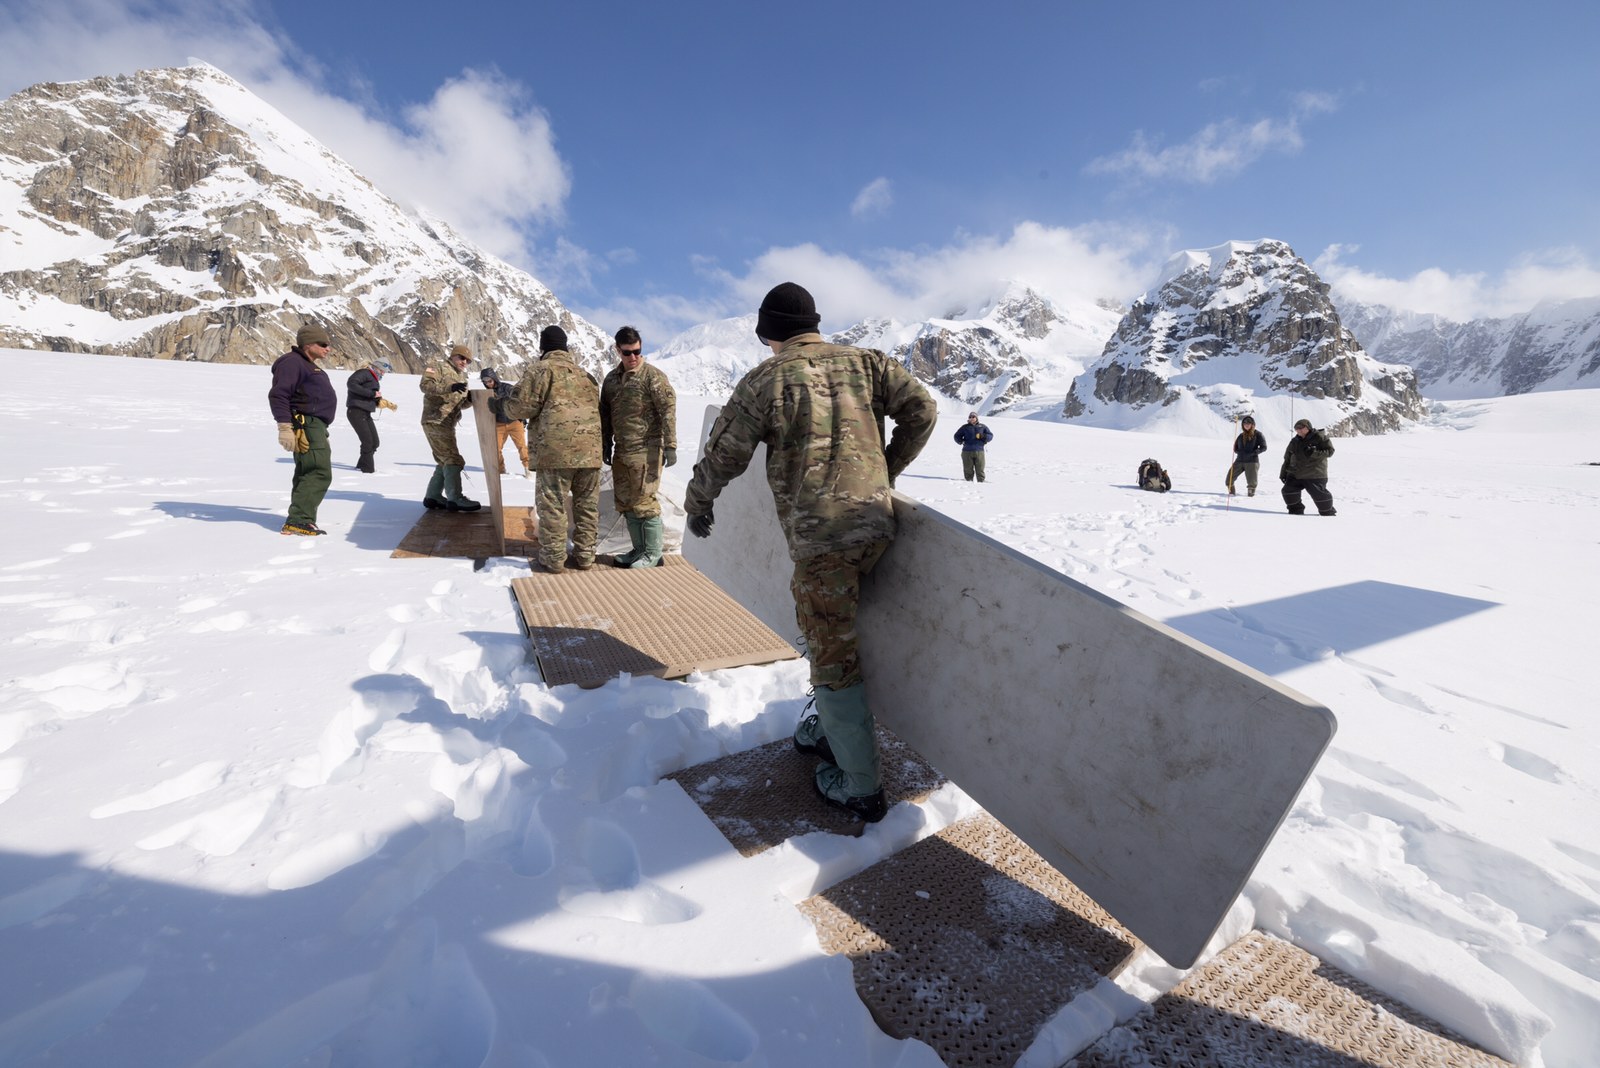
786 311
552 338
311 334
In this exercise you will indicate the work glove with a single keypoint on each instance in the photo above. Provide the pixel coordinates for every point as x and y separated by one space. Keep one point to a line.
459 387
286 436
700 525
669 456
389 404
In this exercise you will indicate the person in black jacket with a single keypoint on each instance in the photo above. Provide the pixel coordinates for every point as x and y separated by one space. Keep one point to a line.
1305 467
1247 450
504 425
363 392
972 438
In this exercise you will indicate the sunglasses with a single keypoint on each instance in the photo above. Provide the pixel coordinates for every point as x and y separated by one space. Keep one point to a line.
630 352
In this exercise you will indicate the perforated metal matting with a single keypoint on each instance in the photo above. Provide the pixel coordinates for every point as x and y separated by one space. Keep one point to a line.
1265 1002
764 796
587 627
968 941
470 534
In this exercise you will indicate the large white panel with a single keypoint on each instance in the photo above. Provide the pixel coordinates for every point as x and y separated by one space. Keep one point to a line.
1149 769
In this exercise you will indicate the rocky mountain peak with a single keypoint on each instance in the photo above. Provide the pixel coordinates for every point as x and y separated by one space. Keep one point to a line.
1227 320
173 214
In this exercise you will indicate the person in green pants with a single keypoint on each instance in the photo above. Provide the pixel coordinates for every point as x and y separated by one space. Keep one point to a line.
303 403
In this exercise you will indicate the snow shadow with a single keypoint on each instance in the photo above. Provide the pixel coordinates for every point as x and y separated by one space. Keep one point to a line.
1315 625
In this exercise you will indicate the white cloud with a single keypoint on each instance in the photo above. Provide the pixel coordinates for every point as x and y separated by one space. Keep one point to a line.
1062 263
478 153
874 199
1548 275
1219 150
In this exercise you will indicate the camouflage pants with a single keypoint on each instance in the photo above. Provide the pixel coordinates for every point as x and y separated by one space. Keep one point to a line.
442 440
555 485
826 590
635 481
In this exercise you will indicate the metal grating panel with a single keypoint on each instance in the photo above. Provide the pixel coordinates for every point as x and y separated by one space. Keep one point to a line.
590 626
968 941
764 796
470 535
1264 1001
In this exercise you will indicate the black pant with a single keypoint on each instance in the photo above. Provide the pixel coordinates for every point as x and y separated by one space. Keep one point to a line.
1317 487
367 431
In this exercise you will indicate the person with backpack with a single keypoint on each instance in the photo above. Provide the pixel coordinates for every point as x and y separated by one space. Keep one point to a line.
1247 450
1154 477
1305 467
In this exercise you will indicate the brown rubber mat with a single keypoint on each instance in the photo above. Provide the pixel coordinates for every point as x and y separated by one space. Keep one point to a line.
968 941
470 534
588 627
1265 1002
764 796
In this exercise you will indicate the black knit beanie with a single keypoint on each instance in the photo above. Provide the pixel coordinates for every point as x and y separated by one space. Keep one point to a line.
786 310
552 338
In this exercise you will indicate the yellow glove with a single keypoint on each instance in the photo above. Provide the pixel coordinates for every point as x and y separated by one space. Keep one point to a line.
301 442
384 402
287 437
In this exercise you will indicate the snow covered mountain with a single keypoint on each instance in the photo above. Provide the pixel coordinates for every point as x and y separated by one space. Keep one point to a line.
1554 346
1236 328
173 214
987 363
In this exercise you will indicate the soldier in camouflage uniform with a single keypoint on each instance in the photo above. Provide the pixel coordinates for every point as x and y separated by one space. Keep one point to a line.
444 393
819 410
562 401
638 437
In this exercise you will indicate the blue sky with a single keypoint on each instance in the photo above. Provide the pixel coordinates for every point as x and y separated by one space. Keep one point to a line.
666 163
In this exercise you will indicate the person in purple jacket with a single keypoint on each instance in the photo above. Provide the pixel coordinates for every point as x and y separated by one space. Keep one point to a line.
303 403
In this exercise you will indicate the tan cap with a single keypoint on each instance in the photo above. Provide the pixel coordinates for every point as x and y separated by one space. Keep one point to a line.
460 350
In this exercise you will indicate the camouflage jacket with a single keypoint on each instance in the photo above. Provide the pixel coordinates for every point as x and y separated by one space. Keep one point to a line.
562 404
819 409
638 410
440 406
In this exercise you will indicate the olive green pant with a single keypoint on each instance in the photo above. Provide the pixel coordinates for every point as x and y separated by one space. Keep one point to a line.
313 474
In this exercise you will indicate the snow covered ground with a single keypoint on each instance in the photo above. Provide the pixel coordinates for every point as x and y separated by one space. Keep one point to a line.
281 801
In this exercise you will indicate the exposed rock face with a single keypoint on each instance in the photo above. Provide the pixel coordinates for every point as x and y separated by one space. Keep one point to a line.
1555 346
171 214
1259 307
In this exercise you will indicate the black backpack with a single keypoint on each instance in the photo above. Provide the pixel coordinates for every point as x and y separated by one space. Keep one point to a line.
1153 477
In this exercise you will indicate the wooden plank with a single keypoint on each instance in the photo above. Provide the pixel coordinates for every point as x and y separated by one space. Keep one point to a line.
1149 769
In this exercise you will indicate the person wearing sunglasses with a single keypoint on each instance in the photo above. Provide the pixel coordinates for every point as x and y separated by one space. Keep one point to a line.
638 437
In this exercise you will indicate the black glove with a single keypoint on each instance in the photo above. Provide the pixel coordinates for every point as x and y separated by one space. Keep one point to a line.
700 525
605 452
459 387
669 456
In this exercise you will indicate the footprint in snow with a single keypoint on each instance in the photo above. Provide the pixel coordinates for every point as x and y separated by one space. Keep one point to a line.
615 888
687 1014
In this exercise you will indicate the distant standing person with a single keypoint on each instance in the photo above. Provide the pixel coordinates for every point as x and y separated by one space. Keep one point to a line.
638 437
1305 467
363 393
444 392
972 438
818 409
1247 450
504 425
562 402
303 403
